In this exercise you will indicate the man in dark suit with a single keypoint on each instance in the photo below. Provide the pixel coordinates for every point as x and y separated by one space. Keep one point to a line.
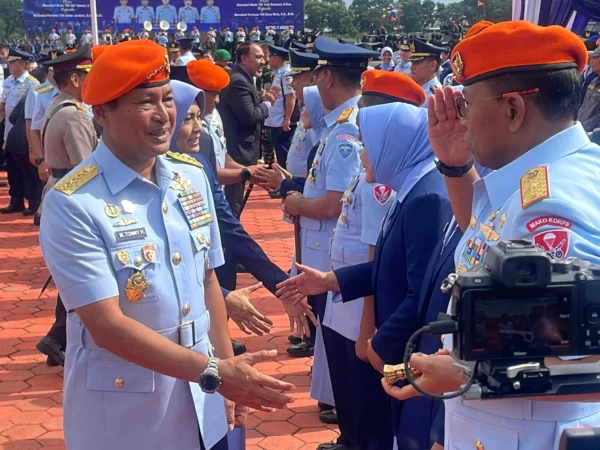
243 110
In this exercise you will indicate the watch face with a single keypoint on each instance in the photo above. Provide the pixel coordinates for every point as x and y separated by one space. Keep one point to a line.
209 382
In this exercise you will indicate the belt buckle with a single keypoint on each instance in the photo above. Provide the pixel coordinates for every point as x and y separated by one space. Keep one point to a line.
180 327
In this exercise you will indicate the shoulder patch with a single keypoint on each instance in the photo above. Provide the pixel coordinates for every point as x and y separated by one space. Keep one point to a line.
71 184
534 186
43 89
182 157
382 193
37 87
345 149
345 115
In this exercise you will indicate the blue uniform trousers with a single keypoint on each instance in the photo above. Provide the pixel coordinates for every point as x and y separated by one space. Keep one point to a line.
356 389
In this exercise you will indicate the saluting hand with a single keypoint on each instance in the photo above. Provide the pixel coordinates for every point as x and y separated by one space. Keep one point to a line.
446 132
246 386
244 314
309 281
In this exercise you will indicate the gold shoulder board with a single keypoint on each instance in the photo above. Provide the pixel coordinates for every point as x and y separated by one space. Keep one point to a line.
75 181
37 87
44 89
182 157
534 186
32 78
80 107
345 115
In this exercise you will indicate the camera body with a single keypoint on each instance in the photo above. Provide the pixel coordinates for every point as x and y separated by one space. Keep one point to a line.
518 304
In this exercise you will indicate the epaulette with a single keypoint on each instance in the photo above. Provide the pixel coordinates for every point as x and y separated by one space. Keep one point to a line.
44 89
37 87
345 115
80 107
182 157
32 78
534 186
74 182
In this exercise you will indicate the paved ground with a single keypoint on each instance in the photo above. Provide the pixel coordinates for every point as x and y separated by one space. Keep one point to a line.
31 392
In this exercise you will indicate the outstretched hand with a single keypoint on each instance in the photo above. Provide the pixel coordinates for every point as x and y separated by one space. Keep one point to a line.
309 281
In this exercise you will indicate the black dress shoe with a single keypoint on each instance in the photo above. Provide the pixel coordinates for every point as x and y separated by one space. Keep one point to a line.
52 350
339 444
28 212
50 362
294 339
238 348
324 406
329 417
37 219
302 350
10 209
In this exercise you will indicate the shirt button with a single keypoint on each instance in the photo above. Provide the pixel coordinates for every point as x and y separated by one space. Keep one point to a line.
119 383
206 263
479 446
317 244
165 208
176 258
137 261
186 309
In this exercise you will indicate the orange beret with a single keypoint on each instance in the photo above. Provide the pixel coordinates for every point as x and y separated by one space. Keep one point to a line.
124 67
98 50
207 76
394 85
548 48
478 28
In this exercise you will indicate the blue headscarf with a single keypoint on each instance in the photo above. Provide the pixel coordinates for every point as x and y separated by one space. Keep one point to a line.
184 95
396 141
314 106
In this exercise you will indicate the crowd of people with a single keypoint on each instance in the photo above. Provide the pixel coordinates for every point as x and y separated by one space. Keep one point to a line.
137 159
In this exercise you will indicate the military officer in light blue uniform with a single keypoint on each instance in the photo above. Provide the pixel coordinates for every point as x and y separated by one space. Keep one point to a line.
123 13
70 38
541 190
188 13
210 13
132 239
335 163
166 12
402 57
426 60
144 13
301 68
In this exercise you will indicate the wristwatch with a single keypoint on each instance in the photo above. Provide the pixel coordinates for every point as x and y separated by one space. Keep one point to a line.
210 379
453 171
38 161
246 174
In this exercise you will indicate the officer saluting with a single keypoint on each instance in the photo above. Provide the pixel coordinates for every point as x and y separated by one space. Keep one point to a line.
517 118
133 263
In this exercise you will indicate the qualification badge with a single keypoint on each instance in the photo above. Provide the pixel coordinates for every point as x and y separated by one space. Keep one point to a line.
488 232
149 252
112 211
136 286
502 220
472 222
123 256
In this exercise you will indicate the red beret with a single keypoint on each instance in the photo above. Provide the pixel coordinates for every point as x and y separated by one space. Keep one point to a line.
124 67
395 85
548 48
207 76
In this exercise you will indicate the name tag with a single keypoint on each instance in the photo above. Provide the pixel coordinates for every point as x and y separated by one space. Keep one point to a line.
130 235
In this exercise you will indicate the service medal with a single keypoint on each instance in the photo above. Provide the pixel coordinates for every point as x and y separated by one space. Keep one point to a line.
136 286
149 252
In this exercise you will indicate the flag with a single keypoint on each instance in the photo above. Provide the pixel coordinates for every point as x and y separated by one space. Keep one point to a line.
480 3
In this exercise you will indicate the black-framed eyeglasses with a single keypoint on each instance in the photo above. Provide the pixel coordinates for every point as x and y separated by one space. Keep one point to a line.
462 105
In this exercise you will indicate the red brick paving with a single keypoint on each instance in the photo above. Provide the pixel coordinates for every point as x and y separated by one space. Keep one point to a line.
31 392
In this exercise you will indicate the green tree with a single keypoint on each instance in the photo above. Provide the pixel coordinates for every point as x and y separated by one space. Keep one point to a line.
331 14
11 19
371 15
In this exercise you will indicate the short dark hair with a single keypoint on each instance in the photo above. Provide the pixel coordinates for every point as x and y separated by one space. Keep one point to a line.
185 44
349 77
559 96
243 50
62 78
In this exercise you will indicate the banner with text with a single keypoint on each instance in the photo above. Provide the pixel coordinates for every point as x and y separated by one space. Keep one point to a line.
41 16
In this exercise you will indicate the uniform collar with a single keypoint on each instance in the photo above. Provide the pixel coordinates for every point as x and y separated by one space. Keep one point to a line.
504 182
116 174
332 116
433 82
23 77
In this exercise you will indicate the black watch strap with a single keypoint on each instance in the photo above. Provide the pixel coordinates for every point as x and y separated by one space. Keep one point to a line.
453 171
38 161
246 174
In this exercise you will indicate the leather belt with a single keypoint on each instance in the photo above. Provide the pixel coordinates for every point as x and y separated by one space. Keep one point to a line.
59 173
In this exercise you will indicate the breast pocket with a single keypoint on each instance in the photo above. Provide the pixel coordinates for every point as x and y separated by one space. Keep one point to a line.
468 434
201 244
136 269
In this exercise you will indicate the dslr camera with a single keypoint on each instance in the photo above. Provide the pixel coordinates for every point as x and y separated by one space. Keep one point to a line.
518 307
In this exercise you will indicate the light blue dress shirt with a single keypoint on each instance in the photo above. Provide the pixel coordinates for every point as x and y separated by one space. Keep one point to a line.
188 14
210 14
94 241
14 91
283 79
166 12
144 14
124 14
302 144
214 125
560 217
427 87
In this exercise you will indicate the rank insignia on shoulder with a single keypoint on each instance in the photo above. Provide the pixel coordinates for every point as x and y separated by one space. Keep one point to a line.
38 87
345 115
182 157
43 89
534 186
80 107
75 181
32 78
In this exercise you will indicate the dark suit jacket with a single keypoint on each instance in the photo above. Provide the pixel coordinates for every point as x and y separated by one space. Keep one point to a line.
422 419
236 240
243 114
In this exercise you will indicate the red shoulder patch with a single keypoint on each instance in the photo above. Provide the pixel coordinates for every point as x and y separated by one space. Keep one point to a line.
556 221
382 193
554 242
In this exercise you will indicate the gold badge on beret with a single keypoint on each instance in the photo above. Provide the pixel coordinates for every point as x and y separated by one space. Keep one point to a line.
136 286
457 65
534 186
